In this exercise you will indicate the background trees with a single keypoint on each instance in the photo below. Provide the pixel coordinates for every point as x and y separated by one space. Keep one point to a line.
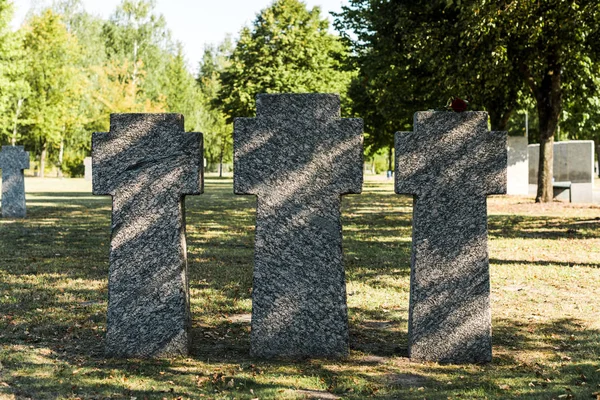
64 71
287 49
414 54
393 58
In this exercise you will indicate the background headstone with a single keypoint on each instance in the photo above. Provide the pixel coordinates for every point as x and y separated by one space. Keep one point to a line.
573 162
147 163
87 165
13 160
298 157
450 163
517 174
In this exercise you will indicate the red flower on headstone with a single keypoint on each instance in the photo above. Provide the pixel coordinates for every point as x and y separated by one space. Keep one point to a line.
458 104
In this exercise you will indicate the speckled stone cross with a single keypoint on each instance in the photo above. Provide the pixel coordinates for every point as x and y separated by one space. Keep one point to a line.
450 163
298 157
13 160
147 163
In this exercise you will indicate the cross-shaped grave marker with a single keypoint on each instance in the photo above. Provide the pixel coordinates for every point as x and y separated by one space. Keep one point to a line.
298 157
13 160
147 163
450 163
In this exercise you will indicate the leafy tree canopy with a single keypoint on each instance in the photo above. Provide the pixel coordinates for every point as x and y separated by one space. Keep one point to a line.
287 49
414 54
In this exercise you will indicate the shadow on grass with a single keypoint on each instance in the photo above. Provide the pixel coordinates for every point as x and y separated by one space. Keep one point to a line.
54 267
536 227
567 264
568 367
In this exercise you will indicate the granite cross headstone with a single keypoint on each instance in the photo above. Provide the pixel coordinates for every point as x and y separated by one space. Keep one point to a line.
298 157
450 163
13 160
147 163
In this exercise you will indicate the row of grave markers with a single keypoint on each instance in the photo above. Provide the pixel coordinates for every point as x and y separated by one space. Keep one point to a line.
298 157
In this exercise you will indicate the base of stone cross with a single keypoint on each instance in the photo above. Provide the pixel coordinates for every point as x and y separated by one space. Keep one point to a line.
299 297
450 320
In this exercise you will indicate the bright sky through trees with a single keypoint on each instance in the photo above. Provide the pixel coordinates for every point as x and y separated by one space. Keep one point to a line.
193 22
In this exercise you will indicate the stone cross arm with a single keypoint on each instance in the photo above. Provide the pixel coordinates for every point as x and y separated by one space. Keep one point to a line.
295 143
150 150
454 151
14 158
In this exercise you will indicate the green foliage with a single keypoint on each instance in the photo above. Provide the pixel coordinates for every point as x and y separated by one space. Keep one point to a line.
73 166
181 90
413 55
287 49
52 107
65 71
140 38
218 138
13 87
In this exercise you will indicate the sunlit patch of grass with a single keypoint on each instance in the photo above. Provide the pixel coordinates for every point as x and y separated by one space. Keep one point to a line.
545 275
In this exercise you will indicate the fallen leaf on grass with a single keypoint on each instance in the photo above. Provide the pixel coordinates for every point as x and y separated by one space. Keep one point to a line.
504 387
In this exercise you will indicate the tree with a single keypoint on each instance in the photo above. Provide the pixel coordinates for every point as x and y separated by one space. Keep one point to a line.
55 82
218 139
411 56
492 51
287 49
13 87
182 92
87 28
140 38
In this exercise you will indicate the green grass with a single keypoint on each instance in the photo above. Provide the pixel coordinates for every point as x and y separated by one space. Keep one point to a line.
545 273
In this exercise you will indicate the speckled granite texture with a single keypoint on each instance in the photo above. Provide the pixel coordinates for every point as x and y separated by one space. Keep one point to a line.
13 160
298 157
450 163
147 163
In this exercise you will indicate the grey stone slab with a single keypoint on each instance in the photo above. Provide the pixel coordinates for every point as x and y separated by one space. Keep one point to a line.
517 174
13 160
147 163
450 163
298 157
573 162
87 165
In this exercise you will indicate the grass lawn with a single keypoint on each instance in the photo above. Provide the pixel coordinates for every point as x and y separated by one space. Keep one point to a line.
545 270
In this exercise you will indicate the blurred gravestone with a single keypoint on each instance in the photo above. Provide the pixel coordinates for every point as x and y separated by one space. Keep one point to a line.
147 163
298 157
450 163
87 165
13 160
517 173
573 162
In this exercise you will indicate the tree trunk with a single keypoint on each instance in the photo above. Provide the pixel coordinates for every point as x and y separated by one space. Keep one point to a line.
499 121
43 160
60 157
548 96
390 158
545 192
221 161
135 69
549 109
